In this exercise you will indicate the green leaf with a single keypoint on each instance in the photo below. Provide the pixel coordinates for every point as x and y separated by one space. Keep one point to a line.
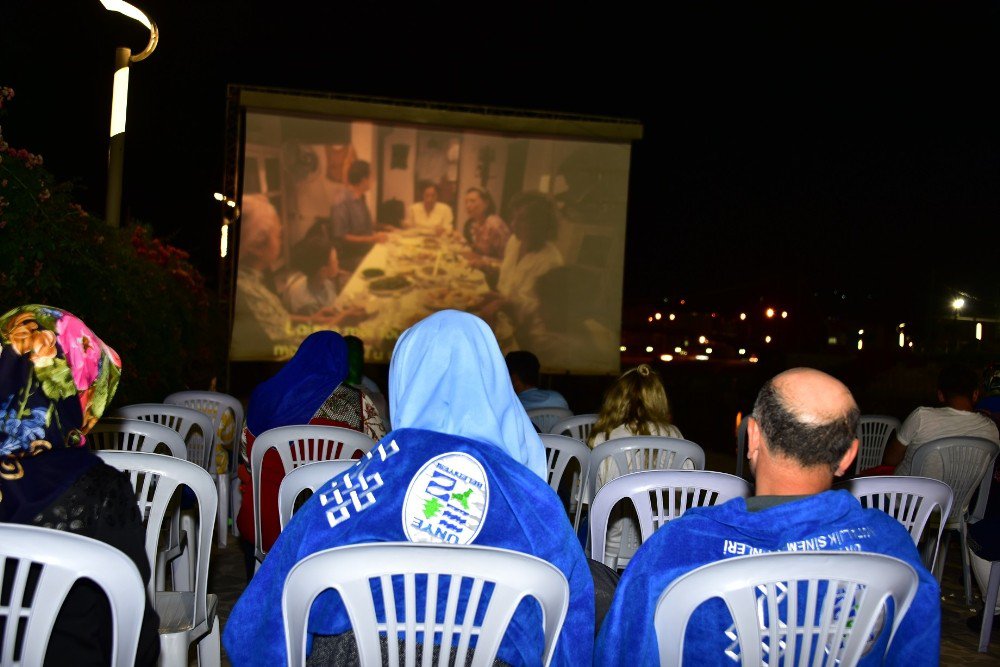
431 507
463 497
56 379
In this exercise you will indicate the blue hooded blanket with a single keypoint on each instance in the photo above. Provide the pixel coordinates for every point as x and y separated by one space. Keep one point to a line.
463 466
833 520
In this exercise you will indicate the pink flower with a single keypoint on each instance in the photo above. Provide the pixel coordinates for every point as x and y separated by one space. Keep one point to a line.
82 350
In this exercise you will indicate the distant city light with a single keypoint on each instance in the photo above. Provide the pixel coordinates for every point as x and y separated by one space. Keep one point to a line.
743 350
623 349
910 344
769 312
958 303
677 350
701 340
649 348
650 319
683 302
657 316
219 196
743 316
666 357
715 314
831 340
902 339
902 324
979 330
224 241
672 317
708 350
861 332
784 314
861 343
701 357
753 359
767 339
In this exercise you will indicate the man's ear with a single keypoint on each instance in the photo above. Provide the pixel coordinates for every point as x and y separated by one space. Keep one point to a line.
847 459
755 438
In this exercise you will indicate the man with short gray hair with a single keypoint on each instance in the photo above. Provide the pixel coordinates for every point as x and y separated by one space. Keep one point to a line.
801 435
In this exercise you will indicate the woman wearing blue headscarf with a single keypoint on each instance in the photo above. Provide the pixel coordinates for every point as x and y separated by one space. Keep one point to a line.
463 465
309 389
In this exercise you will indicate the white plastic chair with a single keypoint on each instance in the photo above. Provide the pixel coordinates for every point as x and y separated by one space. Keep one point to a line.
133 435
873 436
63 558
348 570
298 445
990 603
575 427
741 445
643 452
186 421
839 602
559 451
310 476
185 616
909 500
217 405
658 496
546 418
965 464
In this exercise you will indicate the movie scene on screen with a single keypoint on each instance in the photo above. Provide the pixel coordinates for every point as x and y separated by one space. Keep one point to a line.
367 227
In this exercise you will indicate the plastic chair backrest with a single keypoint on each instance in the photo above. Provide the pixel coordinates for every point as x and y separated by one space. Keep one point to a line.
575 427
909 500
348 570
27 618
965 464
298 445
545 418
309 476
643 452
873 435
659 496
133 435
741 445
559 451
214 404
155 478
186 421
812 608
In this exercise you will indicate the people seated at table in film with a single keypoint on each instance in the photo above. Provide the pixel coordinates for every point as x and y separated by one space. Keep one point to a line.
429 214
524 369
801 435
314 282
958 391
529 254
262 320
350 227
56 379
452 404
310 389
485 231
636 404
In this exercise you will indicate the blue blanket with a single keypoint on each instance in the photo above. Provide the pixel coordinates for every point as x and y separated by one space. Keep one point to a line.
832 520
471 493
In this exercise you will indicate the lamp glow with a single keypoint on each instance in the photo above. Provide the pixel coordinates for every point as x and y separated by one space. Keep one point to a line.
767 339
743 350
902 339
666 357
622 349
677 350
979 330
769 312
784 314
649 348
672 317
958 303
224 241
701 357
861 343
708 350
128 10
219 196
119 101
657 316
701 340
743 316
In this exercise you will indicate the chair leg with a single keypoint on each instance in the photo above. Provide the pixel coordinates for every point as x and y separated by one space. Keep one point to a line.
966 567
210 647
183 567
174 649
991 603
235 500
942 554
222 515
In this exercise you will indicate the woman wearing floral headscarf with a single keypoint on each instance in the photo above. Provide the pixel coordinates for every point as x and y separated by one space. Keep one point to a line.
56 379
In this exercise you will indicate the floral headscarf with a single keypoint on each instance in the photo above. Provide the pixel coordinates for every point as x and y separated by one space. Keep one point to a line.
56 378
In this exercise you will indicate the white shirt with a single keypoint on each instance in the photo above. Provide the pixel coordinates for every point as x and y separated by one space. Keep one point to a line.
926 424
439 219
518 276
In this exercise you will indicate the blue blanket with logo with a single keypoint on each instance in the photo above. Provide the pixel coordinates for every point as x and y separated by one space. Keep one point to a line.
423 486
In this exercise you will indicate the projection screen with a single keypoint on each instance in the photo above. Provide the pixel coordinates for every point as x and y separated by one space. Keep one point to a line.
364 217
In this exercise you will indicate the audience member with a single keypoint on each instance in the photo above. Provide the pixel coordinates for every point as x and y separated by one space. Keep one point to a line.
356 377
801 435
429 214
56 379
309 389
958 390
457 419
523 368
636 404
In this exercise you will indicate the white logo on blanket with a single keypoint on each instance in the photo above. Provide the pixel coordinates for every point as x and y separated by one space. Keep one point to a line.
447 500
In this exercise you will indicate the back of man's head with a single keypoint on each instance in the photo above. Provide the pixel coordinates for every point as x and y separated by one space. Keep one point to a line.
524 365
958 381
807 417
358 171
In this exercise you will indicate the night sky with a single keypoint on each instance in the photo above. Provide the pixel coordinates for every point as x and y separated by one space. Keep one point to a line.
787 150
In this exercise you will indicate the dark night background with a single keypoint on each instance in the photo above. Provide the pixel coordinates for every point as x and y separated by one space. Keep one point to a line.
788 150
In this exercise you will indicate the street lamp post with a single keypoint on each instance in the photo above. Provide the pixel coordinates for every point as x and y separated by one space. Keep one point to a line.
119 103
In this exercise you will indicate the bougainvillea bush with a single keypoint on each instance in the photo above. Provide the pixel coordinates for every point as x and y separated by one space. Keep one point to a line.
140 295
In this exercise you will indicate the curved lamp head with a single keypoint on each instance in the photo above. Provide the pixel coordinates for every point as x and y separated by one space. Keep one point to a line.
136 14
